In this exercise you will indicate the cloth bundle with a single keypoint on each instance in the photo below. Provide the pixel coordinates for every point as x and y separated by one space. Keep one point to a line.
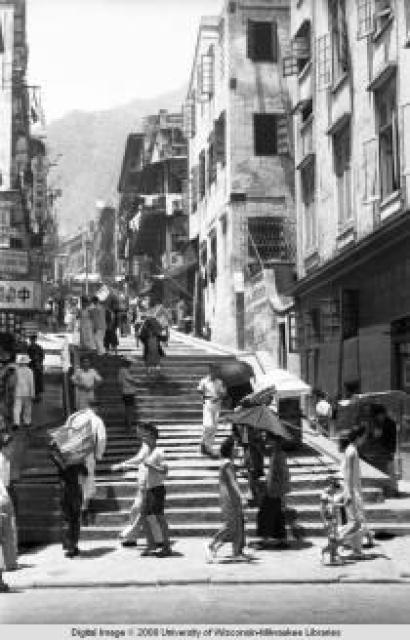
75 439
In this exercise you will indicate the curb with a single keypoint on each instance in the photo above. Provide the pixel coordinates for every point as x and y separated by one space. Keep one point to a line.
180 582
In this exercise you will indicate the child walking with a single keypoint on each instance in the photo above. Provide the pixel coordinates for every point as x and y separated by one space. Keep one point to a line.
231 501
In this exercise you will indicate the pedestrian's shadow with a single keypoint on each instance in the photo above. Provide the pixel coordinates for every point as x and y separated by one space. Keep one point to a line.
250 559
292 545
98 552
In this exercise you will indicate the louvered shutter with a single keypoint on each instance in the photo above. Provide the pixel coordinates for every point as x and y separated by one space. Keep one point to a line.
290 66
194 187
371 180
188 124
207 74
324 62
282 134
364 18
301 47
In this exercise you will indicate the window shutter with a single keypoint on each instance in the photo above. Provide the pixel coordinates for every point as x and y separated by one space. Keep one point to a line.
275 44
290 66
207 74
408 20
251 40
194 187
220 139
282 134
324 62
406 149
301 47
364 18
189 114
371 170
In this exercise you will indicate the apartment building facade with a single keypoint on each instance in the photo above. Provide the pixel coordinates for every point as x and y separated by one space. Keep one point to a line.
349 64
153 228
241 200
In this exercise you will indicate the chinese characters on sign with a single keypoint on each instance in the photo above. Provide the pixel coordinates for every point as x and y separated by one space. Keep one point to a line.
20 295
13 262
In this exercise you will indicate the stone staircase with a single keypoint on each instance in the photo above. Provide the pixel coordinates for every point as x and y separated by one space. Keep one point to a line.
192 483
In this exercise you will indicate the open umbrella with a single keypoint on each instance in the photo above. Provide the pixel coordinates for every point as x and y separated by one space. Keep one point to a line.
257 398
261 418
234 372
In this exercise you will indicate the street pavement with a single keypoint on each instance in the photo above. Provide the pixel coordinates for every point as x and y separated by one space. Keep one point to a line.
108 564
310 604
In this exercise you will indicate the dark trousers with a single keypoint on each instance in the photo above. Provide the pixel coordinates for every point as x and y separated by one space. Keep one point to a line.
71 518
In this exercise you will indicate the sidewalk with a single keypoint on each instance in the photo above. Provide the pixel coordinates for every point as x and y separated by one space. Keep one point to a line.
105 564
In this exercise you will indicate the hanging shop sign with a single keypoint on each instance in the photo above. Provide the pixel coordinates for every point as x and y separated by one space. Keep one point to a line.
13 262
20 295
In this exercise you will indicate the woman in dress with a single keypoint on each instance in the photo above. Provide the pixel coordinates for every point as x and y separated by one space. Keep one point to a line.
150 336
271 516
85 380
230 497
86 329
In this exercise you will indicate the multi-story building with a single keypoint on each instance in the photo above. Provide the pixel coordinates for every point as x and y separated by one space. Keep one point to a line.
20 226
351 97
241 200
153 228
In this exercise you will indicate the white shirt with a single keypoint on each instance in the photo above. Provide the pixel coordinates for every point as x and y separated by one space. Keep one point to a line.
213 390
324 409
24 382
155 478
4 470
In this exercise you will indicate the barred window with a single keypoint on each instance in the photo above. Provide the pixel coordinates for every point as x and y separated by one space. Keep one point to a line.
269 240
262 41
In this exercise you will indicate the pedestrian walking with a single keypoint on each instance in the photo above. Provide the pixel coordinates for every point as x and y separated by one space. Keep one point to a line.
97 313
24 392
151 338
271 518
212 390
71 498
129 535
230 497
154 503
385 433
36 355
85 380
323 410
352 533
128 380
100 439
110 336
137 321
86 326
8 528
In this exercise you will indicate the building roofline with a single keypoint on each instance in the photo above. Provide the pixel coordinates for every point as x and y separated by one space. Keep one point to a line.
206 23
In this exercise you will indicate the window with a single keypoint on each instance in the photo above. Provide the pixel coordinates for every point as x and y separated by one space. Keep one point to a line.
270 134
386 113
342 160
194 187
262 41
207 73
407 9
350 313
340 49
211 161
1 40
265 134
364 18
382 14
307 176
190 117
301 51
220 139
269 240
324 62
292 333
202 174
212 267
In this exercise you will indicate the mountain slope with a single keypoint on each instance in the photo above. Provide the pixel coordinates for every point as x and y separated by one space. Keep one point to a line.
92 146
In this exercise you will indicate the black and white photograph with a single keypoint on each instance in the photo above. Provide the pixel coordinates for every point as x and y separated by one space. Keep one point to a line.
204 318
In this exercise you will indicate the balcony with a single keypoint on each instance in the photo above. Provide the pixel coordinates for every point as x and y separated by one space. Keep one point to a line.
305 83
306 144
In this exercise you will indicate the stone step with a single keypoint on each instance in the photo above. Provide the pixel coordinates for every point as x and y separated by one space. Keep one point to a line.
192 500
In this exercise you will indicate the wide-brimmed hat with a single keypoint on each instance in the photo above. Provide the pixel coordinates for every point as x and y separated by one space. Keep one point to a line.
22 358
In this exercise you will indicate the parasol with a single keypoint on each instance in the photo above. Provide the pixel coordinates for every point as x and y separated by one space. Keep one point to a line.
261 418
234 372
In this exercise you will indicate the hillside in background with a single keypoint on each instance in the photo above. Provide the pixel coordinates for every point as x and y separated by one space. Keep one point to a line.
91 145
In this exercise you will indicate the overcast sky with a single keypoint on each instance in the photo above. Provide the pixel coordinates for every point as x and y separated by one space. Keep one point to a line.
96 54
